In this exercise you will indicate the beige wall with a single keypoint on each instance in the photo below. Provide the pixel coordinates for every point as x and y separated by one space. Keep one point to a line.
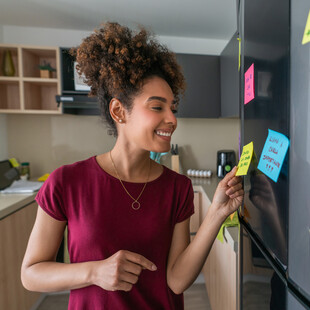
50 141
1 33
3 138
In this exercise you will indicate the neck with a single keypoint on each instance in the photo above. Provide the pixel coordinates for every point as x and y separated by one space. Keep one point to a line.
131 165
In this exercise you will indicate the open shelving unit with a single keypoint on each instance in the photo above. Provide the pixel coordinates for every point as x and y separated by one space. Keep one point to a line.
26 91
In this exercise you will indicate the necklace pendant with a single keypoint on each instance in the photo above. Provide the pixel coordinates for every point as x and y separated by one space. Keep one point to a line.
137 203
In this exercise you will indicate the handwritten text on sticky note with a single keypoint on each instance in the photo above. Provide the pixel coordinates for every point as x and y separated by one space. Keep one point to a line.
249 84
273 154
245 159
306 37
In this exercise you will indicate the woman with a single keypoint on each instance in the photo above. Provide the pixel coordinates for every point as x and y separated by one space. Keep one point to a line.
127 216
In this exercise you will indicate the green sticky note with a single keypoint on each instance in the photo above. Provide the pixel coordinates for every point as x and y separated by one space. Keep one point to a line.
232 220
306 37
245 159
14 162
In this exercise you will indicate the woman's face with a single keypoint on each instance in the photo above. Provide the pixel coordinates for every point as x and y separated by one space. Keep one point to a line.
151 122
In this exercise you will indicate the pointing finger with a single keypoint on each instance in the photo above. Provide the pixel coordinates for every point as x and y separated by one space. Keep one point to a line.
140 260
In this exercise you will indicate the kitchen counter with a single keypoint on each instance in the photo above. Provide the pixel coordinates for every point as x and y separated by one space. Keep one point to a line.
208 185
10 203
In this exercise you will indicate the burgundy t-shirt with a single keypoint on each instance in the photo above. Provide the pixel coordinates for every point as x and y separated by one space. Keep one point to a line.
101 222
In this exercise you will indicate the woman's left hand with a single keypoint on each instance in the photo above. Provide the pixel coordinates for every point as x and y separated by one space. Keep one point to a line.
229 194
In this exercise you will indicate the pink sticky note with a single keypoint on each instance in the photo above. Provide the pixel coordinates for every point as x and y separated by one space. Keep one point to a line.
249 85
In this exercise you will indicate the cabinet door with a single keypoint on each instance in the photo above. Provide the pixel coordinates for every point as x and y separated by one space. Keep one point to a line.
14 234
196 217
202 95
230 79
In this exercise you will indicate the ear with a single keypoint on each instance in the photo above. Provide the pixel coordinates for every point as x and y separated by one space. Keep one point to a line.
117 111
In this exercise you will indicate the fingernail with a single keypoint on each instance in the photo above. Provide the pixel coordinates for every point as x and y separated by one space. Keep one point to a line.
154 267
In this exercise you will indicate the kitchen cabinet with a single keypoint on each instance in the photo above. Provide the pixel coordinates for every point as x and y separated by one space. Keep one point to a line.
221 276
230 79
26 91
195 220
15 230
220 270
202 95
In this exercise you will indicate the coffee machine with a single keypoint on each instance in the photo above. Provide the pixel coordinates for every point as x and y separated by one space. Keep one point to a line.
226 160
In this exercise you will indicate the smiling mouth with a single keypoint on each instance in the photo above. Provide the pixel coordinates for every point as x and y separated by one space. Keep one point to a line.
163 133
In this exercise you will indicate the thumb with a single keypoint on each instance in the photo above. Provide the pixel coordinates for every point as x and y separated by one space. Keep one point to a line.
230 175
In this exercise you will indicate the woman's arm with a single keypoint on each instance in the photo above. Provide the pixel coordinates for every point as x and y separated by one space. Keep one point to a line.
40 272
187 259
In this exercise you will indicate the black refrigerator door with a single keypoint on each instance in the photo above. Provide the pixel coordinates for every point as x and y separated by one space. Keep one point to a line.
299 212
265 39
295 304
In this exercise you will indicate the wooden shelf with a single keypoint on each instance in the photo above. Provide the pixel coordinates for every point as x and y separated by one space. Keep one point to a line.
40 80
33 57
9 95
40 95
9 79
26 91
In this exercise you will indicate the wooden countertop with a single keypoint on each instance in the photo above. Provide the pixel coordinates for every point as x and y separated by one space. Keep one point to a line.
10 203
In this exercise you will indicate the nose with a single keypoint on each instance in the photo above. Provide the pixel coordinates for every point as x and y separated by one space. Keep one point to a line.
171 118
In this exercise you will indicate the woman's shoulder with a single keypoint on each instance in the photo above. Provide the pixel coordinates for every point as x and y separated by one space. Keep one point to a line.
177 177
75 169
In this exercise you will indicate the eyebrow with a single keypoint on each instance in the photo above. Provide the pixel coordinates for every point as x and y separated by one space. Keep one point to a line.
158 98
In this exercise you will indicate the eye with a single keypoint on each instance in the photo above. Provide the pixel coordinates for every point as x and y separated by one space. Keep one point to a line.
157 108
174 111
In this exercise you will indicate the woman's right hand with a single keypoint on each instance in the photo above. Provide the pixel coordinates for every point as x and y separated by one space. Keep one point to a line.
120 271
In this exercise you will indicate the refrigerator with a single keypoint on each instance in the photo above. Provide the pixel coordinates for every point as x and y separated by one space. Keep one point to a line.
276 214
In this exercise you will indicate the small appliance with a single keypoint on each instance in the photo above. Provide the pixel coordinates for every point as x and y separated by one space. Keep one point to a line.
226 160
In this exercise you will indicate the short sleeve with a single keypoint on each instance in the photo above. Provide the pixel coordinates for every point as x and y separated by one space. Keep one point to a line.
186 203
50 196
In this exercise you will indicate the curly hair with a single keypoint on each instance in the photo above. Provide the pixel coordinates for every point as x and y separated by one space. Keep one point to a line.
116 61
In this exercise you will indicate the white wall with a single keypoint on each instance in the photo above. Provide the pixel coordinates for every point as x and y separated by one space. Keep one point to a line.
68 38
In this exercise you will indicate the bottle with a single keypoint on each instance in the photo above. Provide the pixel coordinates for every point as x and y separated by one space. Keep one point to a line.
25 171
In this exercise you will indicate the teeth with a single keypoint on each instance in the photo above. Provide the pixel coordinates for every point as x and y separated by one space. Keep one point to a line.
161 133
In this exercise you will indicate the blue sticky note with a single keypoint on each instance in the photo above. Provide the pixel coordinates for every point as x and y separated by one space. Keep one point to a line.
273 154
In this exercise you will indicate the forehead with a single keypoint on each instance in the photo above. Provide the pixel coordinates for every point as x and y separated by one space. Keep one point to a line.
156 87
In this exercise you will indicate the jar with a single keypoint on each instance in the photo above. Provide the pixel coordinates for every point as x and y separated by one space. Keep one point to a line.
25 171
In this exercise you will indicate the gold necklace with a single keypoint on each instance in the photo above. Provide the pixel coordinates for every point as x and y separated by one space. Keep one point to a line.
135 201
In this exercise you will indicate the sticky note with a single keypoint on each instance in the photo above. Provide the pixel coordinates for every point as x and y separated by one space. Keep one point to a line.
14 162
273 154
249 84
232 220
245 159
43 177
306 37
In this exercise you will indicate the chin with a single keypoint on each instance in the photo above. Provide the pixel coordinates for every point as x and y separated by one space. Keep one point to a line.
161 149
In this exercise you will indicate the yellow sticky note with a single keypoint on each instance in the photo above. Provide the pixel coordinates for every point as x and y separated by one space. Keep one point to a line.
245 159
239 57
14 162
306 37
43 177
